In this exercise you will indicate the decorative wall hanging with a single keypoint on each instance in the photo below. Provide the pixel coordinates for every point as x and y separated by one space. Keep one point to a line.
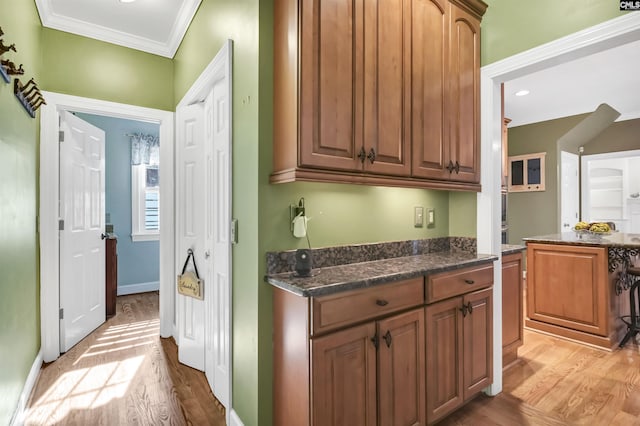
4 49
29 96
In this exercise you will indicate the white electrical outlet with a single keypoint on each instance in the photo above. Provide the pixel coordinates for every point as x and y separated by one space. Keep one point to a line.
418 217
431 217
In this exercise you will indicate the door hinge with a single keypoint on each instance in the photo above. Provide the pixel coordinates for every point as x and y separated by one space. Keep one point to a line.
61 225
61 313
61 136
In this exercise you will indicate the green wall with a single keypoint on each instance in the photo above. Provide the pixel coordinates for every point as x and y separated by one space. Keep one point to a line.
340 214
90 68
215 22
19 290
513 26
525 221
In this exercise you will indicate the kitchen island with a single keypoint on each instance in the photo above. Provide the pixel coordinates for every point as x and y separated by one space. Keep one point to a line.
577 283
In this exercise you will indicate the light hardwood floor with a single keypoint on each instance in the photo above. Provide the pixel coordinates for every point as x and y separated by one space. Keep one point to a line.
557 382
124 374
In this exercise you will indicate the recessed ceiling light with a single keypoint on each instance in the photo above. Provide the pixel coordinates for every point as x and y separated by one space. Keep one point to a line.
127 1
522 93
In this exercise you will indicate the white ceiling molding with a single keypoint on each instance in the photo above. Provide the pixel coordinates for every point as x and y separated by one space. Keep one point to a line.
99 26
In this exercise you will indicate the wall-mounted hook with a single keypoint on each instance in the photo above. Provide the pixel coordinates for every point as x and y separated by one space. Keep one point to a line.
28 95
4 48
10 67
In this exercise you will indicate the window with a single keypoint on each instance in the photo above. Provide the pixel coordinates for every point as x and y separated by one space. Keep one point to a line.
145 203
526 172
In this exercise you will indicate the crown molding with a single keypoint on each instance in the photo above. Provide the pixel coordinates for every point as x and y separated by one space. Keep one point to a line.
168 49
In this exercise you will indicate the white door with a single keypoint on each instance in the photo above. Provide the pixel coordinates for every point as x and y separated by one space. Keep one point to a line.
190 225
569 191
218 298
82 253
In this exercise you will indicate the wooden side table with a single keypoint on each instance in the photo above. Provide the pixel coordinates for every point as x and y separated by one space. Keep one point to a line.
111 279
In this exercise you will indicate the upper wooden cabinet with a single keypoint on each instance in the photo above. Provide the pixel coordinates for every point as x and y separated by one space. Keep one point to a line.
377 92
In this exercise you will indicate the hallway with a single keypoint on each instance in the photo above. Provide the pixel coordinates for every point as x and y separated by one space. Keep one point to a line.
124 374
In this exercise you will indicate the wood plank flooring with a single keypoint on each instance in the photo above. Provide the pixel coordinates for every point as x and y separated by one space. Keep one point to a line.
124 374
557 382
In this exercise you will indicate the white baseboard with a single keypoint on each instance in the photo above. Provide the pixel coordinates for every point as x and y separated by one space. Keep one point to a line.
18 415
138 288
234 420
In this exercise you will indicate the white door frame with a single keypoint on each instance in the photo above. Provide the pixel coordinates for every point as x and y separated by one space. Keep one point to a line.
614 32
220 67
50 194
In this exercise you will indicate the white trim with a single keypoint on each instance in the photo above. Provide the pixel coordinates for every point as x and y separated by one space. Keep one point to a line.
220 65
614 32
138 288
234 419
32 378
145 237
75 26
48 214
629 116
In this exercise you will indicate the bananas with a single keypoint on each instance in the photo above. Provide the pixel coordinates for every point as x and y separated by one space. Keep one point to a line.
596 227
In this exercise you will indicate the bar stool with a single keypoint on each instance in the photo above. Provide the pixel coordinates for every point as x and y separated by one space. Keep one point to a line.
633 320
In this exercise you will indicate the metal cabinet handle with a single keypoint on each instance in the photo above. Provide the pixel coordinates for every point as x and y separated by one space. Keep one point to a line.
371 156
381 302
362 154
457 167
450 166
469 281
464 310
387 338
470 307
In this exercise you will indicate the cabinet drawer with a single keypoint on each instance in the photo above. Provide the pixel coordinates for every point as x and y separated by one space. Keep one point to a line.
338 310
448 284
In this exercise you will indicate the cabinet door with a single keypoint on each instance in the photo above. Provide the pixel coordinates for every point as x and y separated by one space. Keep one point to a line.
464 95
401 375
343 390
568 286
478 342
331 46
512 304
444 358
429 47
386 86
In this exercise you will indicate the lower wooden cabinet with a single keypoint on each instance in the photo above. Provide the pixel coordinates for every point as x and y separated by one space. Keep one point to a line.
394 354
571 294
371 374
512 307
459 351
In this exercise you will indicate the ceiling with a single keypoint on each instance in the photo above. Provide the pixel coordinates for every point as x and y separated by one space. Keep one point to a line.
578 87
153 26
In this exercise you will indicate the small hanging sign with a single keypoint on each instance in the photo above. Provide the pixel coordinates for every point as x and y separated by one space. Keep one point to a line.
189 283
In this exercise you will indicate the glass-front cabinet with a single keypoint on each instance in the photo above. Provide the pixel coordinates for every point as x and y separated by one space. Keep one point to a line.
526 172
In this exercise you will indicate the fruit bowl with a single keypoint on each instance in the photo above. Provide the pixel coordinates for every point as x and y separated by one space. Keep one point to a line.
596 228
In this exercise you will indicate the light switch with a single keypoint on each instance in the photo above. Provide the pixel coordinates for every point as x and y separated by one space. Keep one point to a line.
418 217
431 218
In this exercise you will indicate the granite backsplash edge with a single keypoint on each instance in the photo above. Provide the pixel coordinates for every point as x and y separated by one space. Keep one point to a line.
284 261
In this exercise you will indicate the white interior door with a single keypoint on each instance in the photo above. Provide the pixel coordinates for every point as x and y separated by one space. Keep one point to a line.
218 299
570 191
82 252
190 225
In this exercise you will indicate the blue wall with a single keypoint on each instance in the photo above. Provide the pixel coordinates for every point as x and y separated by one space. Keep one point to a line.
139 262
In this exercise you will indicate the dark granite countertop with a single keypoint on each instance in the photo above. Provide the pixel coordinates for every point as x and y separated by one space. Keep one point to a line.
615 239
512 248
353 276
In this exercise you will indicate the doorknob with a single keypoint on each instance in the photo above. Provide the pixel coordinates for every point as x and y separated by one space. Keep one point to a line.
207 254
103 236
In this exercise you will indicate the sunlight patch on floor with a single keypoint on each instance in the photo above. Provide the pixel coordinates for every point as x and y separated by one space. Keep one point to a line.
86 388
